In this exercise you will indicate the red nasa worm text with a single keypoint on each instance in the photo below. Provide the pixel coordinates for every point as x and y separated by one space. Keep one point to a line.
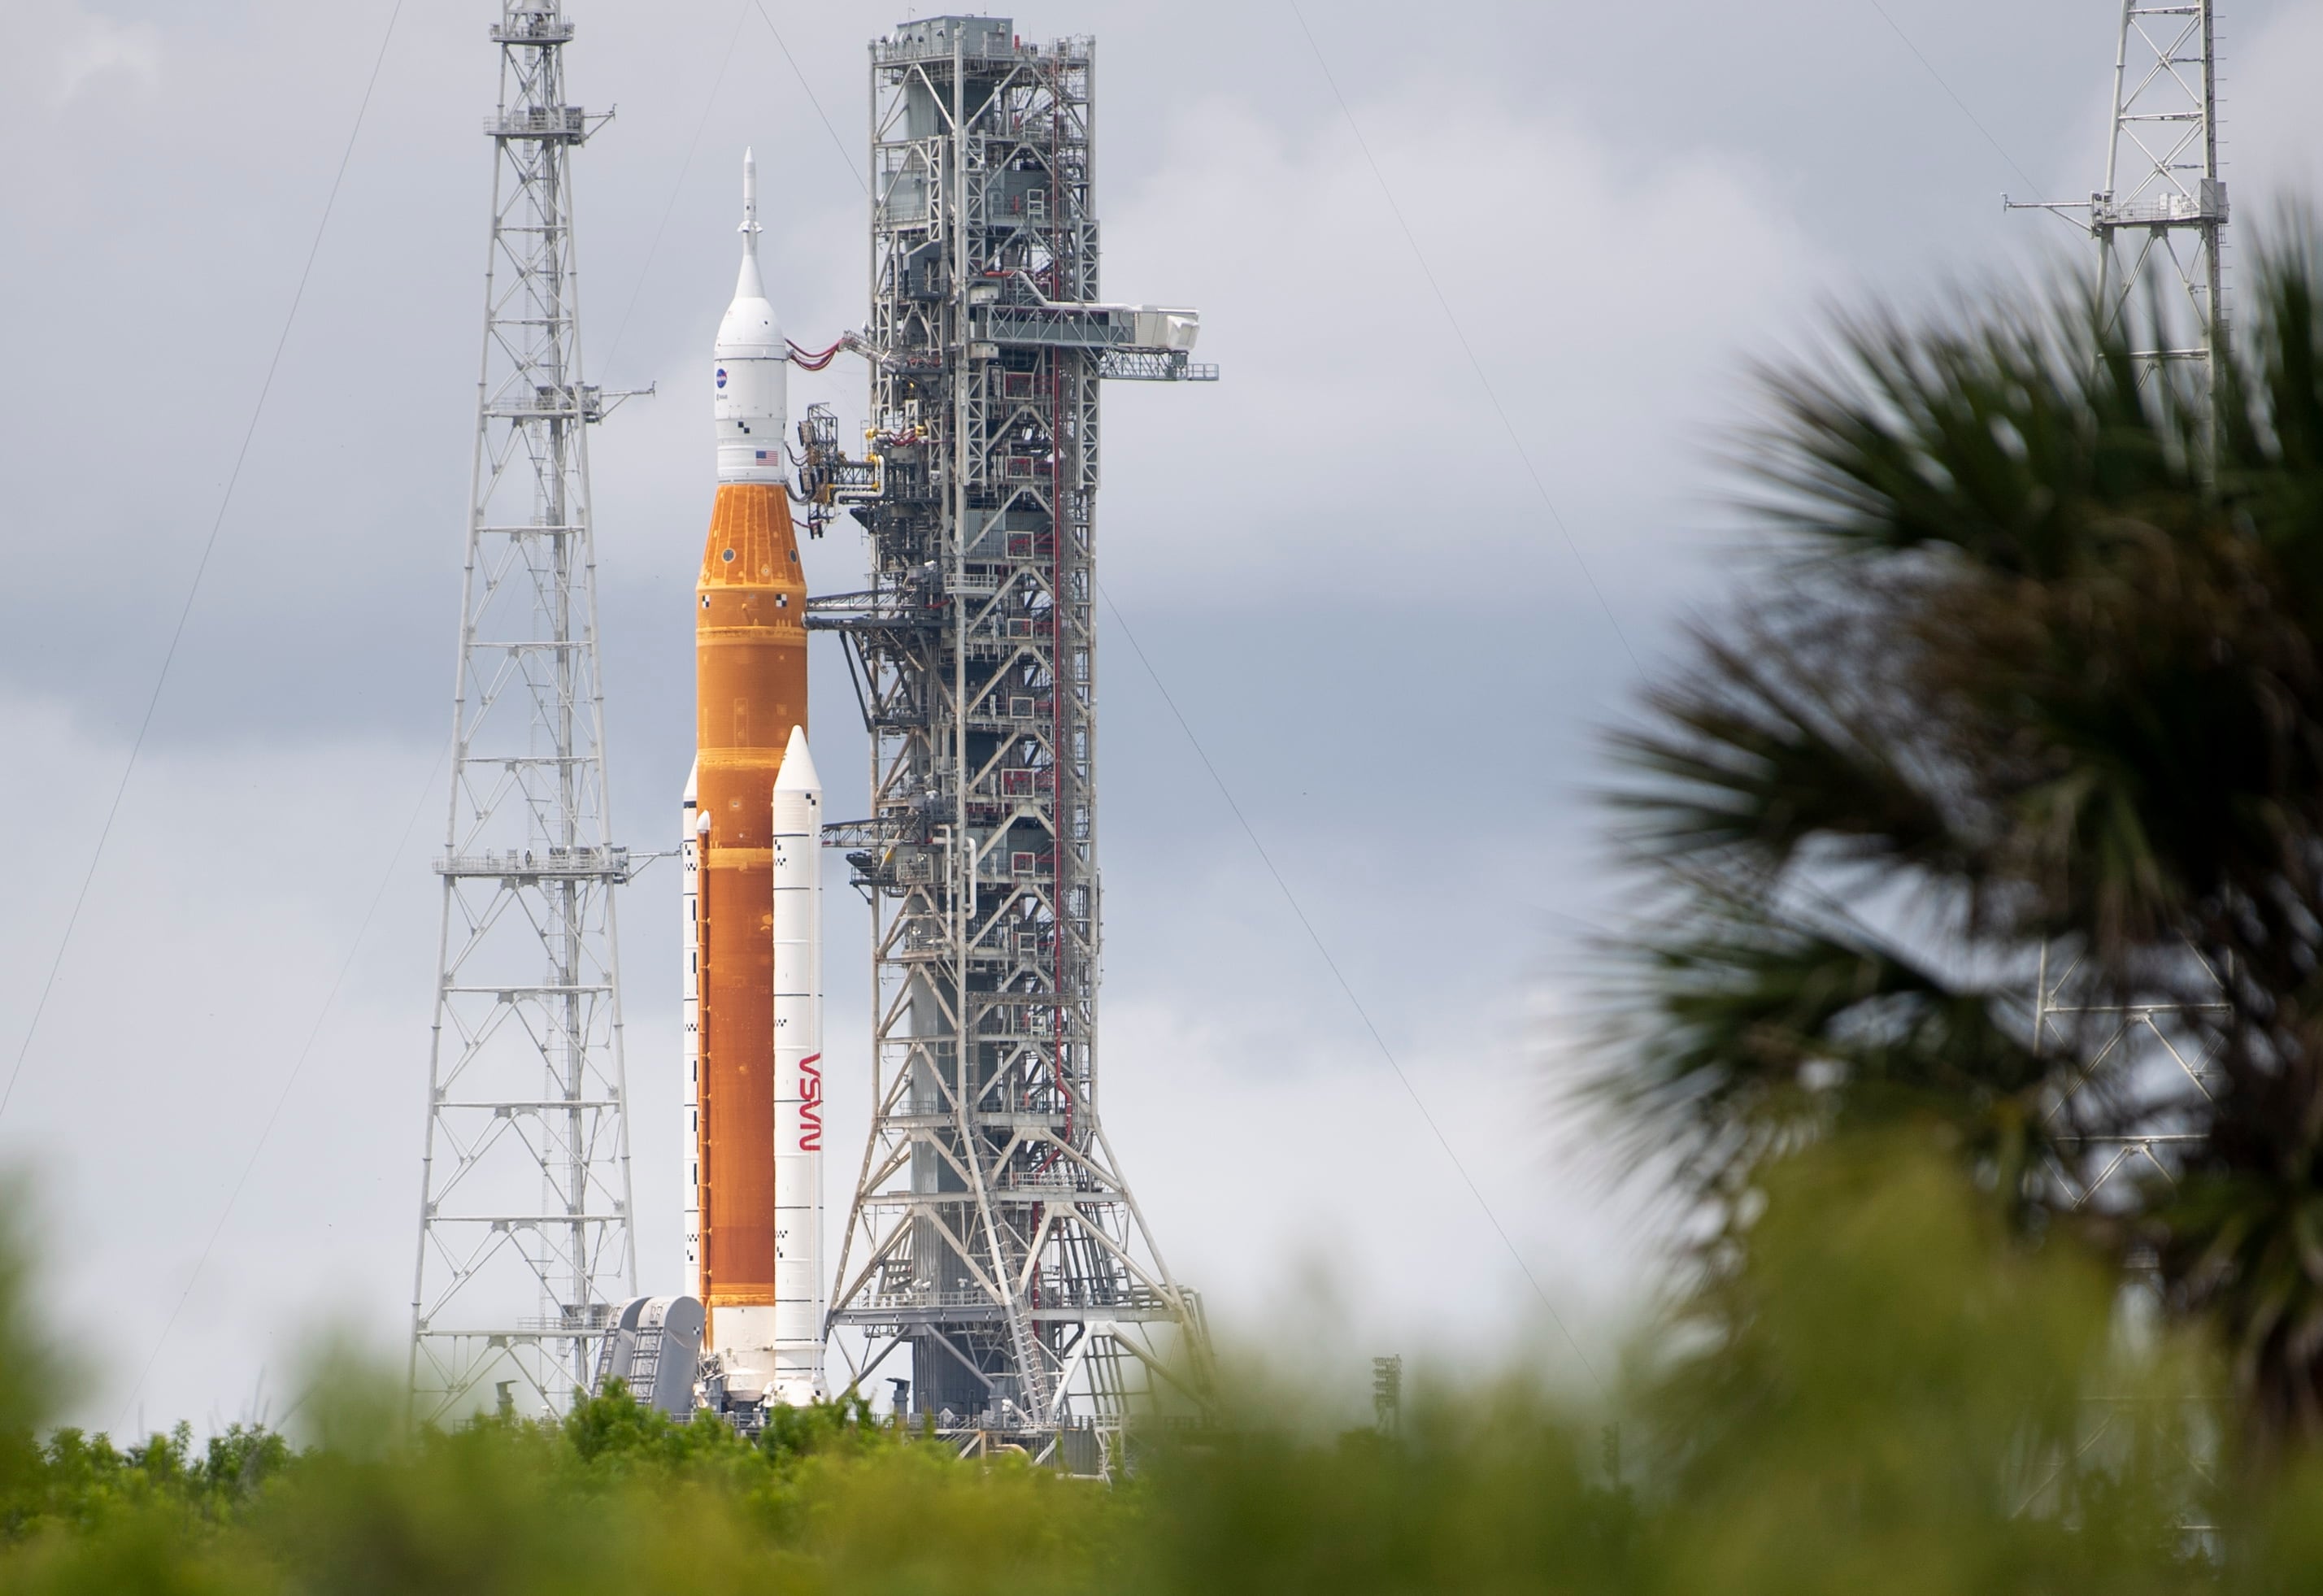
810 1104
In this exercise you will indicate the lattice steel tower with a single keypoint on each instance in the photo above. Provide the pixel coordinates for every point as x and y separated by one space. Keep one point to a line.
992 1233
525 1239
2158 219
2157 223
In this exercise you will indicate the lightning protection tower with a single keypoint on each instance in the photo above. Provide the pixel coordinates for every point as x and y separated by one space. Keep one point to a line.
525 1240
2157 220
993 1237
2158 225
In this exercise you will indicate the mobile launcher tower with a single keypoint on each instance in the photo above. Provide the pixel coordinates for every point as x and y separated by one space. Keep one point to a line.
992 1234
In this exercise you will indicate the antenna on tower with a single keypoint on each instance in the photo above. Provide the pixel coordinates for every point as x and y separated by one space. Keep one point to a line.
2158 219
525 1223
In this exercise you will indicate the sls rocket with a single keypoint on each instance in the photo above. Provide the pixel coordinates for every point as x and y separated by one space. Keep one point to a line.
753 967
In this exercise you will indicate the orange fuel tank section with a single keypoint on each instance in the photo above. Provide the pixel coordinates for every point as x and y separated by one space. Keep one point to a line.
750 690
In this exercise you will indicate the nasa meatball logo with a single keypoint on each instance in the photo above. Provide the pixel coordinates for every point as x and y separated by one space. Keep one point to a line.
722 376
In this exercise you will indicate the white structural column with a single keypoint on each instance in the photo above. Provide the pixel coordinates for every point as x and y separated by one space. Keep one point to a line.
689 854
798 1076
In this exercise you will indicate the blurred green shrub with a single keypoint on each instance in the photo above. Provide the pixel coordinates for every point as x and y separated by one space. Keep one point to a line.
1886 1390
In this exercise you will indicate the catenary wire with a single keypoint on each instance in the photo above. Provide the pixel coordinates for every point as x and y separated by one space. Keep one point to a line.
1540 488
201 567
741 16
1939 76
395 859
1347 987
808 89
1556 517
1225 791
708 104
428 788
314 1034
1460 333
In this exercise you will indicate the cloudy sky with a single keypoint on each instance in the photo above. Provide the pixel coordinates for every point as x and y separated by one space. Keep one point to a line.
1396 646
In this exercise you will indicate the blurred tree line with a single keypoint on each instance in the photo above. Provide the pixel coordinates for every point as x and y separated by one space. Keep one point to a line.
2028 678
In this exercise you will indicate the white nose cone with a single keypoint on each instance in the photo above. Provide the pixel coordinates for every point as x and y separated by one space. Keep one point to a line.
751 370
798 774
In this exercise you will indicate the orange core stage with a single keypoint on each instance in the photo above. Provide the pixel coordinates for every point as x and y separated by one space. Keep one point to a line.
749 691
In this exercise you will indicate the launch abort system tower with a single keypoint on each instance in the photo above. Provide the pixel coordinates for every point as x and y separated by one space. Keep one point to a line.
992 1234
525 1239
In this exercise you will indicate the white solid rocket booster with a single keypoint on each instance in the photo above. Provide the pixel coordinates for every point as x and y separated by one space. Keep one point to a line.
798 1076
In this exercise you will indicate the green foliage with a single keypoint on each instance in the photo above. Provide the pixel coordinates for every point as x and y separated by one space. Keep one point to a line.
1893 1395
85 1479
1485 1491
1886 1390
